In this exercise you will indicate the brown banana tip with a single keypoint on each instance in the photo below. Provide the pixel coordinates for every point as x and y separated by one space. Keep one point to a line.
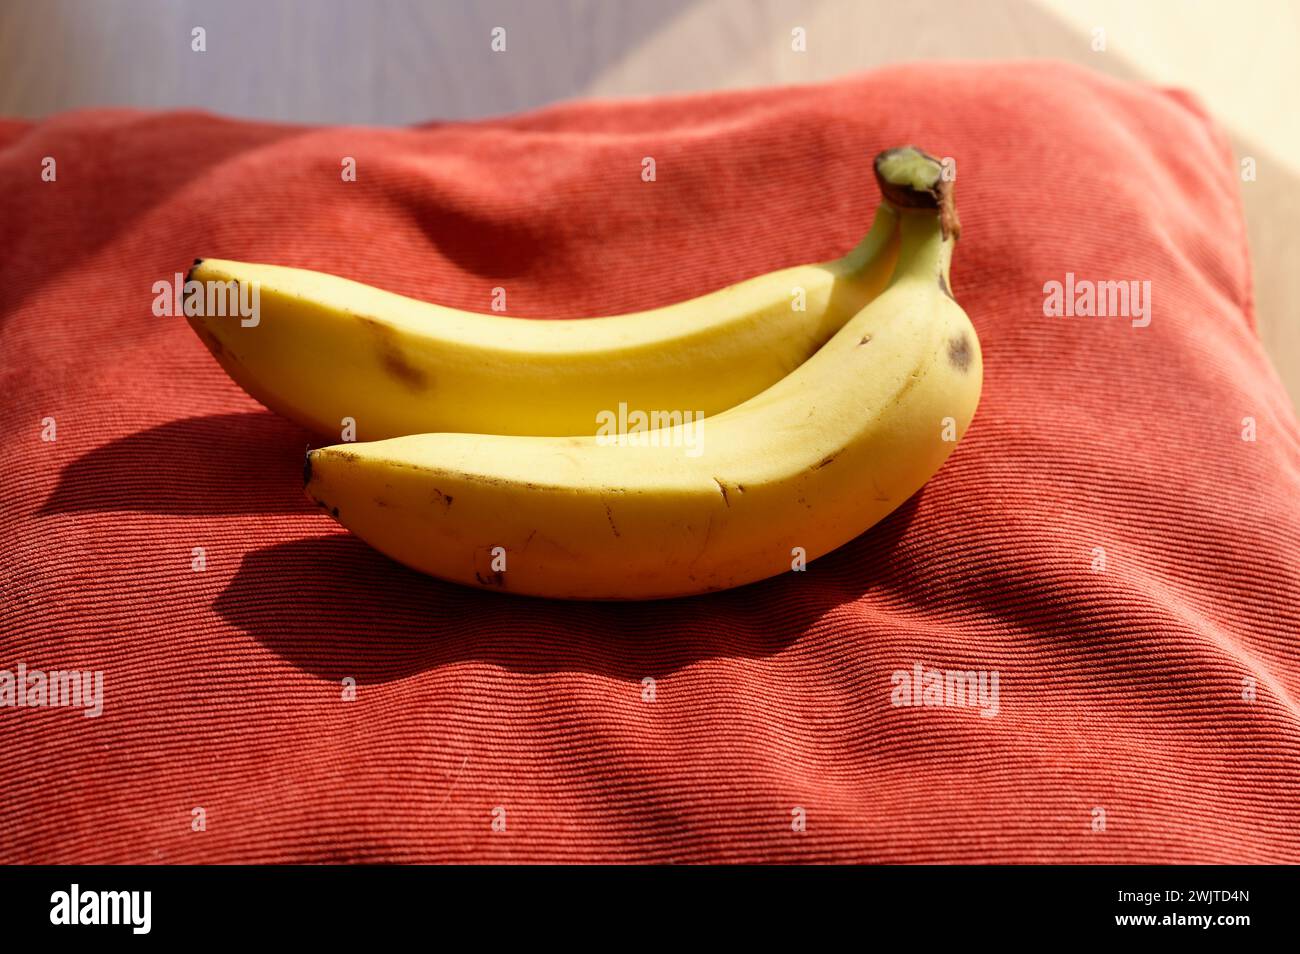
910 178
186 291
306 467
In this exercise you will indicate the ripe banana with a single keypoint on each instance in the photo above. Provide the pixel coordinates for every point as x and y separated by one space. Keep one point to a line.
324 348
797 470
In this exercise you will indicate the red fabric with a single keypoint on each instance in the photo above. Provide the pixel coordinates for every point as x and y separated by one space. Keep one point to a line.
1120 688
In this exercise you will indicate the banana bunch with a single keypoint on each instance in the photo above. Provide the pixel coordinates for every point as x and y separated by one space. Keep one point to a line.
777 433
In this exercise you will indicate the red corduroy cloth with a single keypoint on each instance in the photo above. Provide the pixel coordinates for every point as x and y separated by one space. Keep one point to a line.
1104 540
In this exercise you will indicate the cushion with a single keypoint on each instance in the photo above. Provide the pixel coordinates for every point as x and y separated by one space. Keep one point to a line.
1116 539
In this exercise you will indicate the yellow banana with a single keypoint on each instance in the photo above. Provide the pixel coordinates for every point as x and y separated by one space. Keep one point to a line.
321 349
786 476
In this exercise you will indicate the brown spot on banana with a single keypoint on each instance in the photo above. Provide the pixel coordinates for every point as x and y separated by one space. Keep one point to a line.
332 511
722 489
943 286
959 352
396 365
393 359
484 569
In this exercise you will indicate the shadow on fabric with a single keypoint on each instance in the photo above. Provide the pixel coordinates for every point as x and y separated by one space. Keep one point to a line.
334 607
246 463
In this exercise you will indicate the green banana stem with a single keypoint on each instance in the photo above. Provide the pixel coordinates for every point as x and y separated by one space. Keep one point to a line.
873 243
913 182
925 253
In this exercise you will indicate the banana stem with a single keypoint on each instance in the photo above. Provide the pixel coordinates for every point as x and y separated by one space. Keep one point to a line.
873 243
925 251
911 179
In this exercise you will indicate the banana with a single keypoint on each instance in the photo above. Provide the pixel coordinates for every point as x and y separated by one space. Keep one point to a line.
790 474
322 348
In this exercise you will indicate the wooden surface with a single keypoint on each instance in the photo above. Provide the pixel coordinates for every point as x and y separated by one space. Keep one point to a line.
400 61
